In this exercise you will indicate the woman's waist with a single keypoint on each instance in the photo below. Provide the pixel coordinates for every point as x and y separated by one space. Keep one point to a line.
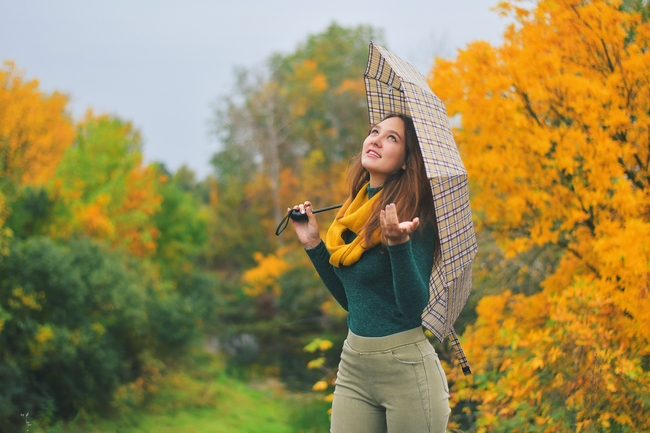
387 342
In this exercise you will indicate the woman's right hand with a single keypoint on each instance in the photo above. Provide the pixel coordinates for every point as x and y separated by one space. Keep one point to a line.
307 231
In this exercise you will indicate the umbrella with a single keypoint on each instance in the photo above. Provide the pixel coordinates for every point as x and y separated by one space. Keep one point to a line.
394 86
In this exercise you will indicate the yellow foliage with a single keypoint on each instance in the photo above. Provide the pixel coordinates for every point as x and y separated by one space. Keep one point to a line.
318 344
142 201
307 83
325 345
321 385
114 200
352 86
21 299
555 134
44 334
42 343
131 395
308 72
316 363
263 278
35 128
94 218
99 329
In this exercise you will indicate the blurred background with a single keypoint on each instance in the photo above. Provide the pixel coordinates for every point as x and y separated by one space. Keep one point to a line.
164 65
148 151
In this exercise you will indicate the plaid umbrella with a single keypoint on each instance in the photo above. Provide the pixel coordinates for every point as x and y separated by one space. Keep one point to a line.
394 86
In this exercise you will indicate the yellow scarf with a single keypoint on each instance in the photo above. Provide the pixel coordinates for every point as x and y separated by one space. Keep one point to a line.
352 216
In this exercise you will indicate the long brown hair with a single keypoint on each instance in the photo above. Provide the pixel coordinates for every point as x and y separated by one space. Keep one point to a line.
408 188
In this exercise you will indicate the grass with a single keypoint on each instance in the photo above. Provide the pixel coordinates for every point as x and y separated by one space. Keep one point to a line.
201 398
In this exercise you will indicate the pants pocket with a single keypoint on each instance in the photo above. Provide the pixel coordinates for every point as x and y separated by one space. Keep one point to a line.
443 376
408 354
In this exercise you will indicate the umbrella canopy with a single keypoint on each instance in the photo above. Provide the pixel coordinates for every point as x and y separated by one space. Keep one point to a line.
394 86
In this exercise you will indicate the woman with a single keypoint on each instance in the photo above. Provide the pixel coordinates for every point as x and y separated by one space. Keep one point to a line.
376 261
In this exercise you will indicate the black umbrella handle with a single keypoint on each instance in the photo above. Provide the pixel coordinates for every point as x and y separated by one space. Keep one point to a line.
297 216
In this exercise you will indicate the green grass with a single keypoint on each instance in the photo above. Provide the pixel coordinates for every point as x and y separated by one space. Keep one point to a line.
201 398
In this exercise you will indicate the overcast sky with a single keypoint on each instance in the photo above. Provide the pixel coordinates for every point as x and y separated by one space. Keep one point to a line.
161 64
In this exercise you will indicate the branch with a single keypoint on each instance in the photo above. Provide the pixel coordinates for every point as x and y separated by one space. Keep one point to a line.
631 175
609 60
565 244
528 106
586 24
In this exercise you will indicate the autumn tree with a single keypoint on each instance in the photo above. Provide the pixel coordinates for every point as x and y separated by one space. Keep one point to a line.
35 128
287 133
35 131
105 190
323 80
100 270
311 100
554 131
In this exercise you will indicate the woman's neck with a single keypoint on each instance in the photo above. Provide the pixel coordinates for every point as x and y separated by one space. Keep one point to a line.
372 191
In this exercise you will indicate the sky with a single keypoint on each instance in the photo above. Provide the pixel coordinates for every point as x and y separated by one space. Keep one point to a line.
163 64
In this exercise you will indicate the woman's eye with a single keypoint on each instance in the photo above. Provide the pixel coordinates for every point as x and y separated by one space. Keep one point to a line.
392 137
374 131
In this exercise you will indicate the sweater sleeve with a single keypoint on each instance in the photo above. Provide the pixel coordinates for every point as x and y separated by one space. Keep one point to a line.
411 264
320 258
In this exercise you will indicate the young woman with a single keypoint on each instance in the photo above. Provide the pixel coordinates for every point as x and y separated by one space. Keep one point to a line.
376 261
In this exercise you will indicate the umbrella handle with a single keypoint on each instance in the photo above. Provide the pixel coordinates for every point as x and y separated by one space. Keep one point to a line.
297 216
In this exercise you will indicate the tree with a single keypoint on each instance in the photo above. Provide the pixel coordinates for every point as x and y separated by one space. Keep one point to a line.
181 224
35 128
74 328
35 131
323 80
311 100
554 131
104 190
288 133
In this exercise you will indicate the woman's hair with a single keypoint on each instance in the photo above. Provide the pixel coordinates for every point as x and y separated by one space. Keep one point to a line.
408 188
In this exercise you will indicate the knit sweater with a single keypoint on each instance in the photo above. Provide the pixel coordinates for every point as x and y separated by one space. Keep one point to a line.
384 292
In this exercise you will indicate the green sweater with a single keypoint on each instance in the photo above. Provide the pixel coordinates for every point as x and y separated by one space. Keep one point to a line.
384 292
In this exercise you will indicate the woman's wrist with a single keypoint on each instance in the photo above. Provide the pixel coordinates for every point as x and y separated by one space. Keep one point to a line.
312 244
394 242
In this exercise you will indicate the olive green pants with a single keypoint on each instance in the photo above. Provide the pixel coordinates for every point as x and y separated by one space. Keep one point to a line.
390 384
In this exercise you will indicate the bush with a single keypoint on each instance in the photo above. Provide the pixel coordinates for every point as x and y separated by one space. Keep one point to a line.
76 323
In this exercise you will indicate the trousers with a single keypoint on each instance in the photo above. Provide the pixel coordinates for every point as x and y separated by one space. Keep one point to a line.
392 384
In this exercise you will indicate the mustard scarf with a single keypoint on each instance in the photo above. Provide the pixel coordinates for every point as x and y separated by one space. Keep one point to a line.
352 216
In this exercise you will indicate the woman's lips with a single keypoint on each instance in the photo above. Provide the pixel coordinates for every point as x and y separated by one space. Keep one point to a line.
373 154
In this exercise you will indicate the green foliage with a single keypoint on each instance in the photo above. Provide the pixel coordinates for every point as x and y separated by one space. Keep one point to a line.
31 211
235 229
105 150
181 224
195 395
642 6
309 102
103 189
287 132
303 294
333 117
79 321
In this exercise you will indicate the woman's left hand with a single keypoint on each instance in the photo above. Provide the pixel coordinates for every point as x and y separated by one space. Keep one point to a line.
394 231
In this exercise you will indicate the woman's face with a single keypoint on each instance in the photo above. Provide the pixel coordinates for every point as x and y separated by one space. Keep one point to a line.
384 150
